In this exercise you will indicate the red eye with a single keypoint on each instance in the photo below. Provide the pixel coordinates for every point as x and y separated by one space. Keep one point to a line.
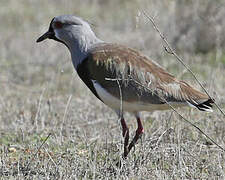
58 25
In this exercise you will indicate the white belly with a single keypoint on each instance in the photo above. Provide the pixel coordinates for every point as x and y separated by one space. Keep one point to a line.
115 103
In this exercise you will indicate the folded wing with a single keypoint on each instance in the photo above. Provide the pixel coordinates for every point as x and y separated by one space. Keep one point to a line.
114 66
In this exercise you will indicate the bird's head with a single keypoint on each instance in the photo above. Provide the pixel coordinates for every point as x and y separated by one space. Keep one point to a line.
69 30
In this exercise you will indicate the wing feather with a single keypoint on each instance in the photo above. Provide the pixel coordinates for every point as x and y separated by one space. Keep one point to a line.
142 79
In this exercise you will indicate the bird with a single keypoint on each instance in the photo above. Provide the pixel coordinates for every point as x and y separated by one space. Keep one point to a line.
121 77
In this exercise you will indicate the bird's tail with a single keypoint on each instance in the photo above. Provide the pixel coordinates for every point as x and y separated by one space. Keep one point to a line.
204 106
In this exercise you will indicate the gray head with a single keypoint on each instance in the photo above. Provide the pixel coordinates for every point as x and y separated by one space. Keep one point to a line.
69 29
72 31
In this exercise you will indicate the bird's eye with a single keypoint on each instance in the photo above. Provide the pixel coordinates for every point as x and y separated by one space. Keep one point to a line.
58 25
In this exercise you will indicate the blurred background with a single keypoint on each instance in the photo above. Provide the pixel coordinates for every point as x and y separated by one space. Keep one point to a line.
41 92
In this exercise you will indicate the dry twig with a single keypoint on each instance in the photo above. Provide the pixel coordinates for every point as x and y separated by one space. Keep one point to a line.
170 50
185 119
182 117
38 150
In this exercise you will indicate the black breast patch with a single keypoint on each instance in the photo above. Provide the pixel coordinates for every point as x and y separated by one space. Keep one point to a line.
84 74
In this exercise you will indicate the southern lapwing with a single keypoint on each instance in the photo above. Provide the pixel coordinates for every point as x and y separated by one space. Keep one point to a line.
121 77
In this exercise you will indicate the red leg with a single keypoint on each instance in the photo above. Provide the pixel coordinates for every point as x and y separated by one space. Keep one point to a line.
139 132
125 135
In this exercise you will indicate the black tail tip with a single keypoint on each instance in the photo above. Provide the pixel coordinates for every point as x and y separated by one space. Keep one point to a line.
206 106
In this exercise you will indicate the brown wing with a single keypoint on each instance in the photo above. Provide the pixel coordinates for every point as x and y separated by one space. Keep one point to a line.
142 79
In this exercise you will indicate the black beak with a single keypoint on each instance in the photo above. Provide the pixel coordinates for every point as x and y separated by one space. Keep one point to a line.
47 35
50 34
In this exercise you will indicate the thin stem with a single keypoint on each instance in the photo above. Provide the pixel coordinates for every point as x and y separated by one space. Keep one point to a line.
170 50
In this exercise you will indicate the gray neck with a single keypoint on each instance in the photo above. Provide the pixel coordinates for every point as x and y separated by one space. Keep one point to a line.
80 46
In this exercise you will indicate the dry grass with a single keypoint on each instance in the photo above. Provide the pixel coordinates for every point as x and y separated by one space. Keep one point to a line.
41 93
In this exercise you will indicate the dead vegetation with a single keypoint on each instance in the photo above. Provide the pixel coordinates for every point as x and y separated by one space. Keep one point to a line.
41 93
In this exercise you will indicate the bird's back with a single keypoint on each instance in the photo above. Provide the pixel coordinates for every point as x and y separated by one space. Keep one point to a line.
141 81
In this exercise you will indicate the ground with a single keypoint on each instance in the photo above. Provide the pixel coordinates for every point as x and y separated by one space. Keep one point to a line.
52 127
